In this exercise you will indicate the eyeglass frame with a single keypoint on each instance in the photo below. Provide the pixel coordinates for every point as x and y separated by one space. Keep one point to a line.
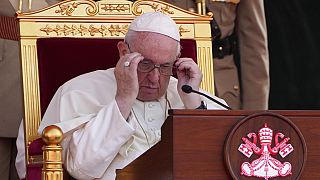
159 66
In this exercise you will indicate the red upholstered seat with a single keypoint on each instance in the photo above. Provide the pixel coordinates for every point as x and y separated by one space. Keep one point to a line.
61 59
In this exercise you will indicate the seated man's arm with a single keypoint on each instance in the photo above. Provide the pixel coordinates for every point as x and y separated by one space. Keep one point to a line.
93 132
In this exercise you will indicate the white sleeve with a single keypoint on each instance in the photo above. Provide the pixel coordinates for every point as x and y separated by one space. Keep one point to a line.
94 133
21 156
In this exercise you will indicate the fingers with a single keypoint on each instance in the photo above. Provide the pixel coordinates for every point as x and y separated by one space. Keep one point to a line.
188 72
179 61
135 61
127 77
129 61
188 66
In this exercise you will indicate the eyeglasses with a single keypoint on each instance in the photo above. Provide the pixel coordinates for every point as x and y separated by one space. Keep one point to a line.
146 66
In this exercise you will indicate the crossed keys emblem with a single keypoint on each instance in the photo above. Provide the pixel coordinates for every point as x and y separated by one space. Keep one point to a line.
266 166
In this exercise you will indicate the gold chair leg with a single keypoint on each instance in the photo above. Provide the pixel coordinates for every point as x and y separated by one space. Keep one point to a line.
52 153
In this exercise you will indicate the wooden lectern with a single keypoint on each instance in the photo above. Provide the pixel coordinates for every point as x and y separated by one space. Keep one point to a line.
193 146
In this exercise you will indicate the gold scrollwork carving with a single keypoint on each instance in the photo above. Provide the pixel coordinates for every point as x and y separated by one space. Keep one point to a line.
92 9
113 30
137 10
47 30
59 30
115 7
83 30
68 9
93 30
183 30
161 8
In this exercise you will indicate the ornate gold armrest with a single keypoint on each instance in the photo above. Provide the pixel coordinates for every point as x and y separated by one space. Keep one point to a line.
52 153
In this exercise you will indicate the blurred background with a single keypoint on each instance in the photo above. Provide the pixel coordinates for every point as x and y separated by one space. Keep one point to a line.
294 49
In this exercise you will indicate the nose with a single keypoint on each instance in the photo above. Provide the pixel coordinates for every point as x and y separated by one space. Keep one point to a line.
154 75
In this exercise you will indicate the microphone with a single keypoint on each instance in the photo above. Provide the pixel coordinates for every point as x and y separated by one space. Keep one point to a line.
188 89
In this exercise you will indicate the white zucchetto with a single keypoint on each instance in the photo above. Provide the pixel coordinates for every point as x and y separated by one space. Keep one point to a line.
156 22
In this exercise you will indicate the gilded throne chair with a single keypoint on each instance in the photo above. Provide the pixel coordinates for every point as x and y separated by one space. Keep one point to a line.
74 37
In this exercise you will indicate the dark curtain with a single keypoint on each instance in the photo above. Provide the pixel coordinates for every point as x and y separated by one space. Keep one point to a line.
294 47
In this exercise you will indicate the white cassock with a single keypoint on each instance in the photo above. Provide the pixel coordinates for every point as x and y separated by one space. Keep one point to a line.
97 139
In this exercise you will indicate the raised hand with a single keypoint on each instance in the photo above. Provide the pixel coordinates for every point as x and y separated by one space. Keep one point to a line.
127 81
188 73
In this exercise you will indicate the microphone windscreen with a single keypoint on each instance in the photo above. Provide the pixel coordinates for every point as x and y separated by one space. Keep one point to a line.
186 88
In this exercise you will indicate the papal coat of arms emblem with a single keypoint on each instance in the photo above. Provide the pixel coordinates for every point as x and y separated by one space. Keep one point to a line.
265 166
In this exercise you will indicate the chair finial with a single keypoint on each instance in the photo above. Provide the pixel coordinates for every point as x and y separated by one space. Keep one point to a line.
52 135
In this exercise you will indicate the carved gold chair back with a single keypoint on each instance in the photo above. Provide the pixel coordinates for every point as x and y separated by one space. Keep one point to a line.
101 19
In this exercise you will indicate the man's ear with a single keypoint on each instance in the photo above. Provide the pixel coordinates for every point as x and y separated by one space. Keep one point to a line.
123 48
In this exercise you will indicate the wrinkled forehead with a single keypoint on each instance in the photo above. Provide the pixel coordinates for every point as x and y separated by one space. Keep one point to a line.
155 47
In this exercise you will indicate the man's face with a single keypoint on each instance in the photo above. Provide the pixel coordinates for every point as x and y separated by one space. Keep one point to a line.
160 50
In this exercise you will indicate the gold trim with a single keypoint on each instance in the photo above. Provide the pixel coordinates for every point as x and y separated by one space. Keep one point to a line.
114 7
52 153
113 30
205 62
161 8
69 8
156 6
31 91
183 30
37 159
